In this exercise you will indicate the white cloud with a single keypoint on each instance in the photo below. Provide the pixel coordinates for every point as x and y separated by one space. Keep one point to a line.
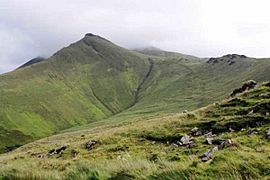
204 28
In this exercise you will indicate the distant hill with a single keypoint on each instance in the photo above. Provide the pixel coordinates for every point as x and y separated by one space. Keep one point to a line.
153 51
94 80
32 61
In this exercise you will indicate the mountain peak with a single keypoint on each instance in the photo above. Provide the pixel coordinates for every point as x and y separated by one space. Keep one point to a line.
91 35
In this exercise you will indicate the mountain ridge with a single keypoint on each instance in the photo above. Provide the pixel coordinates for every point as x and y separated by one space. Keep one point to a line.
94 80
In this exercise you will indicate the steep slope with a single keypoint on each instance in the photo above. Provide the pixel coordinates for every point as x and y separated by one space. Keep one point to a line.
90 80
95 82
187 84
226 140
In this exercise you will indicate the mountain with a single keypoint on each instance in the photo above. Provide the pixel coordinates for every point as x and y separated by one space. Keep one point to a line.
90 80
225 140
32 61
94 82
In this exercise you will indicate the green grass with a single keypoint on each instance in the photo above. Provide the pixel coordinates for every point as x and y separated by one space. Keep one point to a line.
94 83
142 148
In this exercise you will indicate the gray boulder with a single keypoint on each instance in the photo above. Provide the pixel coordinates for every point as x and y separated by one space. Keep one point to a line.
90 144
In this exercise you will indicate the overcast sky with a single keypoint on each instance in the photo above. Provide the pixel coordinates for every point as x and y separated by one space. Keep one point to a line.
30 28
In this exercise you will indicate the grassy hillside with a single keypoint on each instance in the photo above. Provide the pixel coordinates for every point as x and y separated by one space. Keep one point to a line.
95 82
90 80
226 140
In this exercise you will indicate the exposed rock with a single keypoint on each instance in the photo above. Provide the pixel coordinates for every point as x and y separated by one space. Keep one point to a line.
208 154
246 86
233 56
58 150
268 133
231 63
195 132
213 60
191 144
264 96
263 108
250 112
253 132
209 138
185 111
223 144
267 84
90 144
229 58
185 140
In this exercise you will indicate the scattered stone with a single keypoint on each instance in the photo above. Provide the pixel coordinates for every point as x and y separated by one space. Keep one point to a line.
263 108
185 140
195 132
246 86
208 154
268 133
191 144
231 129
74 153
209 140
185 111
253 132
195 129
223 144
251 112
153 142
175 144
259 123
264 96
267 84
58 150
90 144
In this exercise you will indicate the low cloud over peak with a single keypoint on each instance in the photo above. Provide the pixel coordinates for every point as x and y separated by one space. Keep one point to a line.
202 28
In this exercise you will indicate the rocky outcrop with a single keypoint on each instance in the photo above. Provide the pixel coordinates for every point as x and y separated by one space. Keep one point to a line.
229 58
251 84
90 145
